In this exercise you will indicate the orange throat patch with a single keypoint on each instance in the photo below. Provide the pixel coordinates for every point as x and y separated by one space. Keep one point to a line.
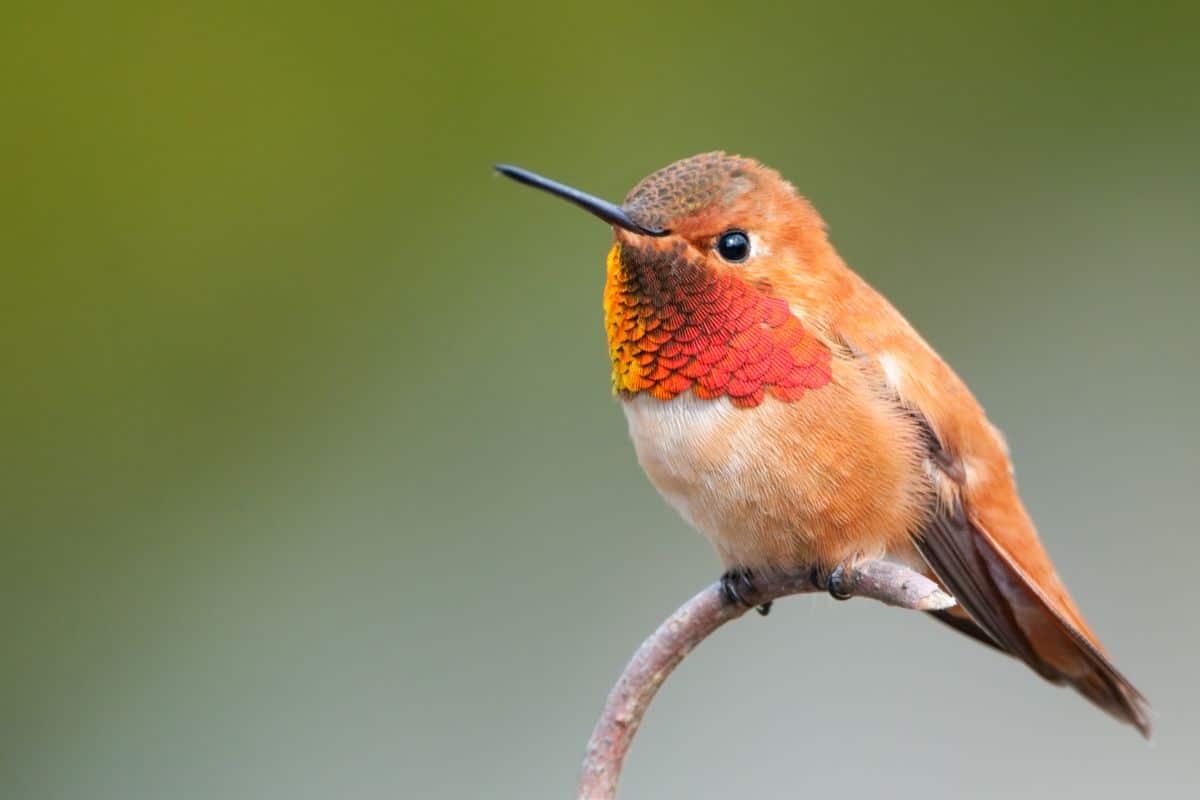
674 326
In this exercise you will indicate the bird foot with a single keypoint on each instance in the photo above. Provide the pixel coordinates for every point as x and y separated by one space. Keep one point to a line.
738 582
836 582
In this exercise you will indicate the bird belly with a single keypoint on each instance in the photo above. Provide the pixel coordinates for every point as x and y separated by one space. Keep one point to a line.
821 481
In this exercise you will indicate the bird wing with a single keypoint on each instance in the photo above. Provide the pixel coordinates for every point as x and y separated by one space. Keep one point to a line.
1016 613
978 539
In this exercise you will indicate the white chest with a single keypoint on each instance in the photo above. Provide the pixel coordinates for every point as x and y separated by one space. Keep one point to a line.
698 453
821 479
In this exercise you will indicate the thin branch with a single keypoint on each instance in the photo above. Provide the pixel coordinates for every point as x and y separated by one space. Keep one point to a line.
695 620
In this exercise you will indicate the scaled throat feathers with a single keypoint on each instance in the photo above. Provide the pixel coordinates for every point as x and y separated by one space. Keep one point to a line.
674 325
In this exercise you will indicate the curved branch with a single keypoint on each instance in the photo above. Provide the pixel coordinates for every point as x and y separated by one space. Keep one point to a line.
695 620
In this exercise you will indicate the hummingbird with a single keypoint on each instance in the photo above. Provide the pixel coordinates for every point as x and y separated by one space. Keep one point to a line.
790 414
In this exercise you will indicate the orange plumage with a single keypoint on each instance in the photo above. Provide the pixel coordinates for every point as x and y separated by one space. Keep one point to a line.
795 418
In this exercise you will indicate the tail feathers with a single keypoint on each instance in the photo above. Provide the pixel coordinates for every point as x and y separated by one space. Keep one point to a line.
1017 616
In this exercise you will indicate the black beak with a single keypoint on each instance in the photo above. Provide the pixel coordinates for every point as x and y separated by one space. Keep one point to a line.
610 213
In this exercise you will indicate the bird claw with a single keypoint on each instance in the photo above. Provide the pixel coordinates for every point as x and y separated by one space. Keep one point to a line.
836 582
738 583
735 584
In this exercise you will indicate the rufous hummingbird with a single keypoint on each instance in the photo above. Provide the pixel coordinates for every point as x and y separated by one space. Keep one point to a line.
795 418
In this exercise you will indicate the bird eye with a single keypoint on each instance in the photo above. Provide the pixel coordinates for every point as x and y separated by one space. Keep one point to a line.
734 246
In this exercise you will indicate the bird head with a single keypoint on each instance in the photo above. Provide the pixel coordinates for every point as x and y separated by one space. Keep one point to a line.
710 254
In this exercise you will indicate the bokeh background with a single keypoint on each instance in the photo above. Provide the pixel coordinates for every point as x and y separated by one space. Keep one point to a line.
312 485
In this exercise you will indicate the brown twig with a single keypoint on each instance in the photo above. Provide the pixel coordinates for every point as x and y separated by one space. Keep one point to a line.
695 620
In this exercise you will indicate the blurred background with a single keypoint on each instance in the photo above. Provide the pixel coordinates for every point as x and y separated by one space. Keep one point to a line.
312 482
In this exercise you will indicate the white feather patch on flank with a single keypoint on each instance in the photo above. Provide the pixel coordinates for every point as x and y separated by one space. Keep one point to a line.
891 369
975 471
945 490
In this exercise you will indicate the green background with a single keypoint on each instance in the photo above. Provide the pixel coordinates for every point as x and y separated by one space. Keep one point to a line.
312 483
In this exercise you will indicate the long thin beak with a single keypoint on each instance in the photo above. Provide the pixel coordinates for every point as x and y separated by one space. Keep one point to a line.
610 213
